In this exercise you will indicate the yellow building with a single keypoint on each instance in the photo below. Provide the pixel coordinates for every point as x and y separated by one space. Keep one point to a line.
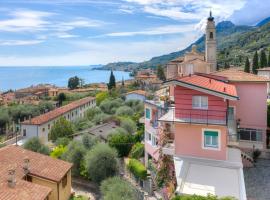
27 175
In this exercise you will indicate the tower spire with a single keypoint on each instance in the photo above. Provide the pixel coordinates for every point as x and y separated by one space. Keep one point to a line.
210 18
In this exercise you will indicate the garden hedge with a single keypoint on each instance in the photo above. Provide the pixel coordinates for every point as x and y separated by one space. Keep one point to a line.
137 169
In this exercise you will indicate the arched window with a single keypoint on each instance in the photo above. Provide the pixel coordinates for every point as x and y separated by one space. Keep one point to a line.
211 36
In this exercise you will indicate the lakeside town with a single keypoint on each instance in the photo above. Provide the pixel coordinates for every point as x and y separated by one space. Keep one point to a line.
188 129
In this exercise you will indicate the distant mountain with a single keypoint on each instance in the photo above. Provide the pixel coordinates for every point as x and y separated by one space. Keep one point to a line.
234 43
263 22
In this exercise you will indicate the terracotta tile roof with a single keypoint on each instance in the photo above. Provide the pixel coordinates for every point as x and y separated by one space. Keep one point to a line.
23 191
40 165
141 92
41 119
235 75
207 84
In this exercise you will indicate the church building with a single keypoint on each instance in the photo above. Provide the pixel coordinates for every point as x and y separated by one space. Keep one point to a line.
194 61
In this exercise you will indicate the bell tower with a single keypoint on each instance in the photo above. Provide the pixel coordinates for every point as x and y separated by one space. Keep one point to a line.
210 43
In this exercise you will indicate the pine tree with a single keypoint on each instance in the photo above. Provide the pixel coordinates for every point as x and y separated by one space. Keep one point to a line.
111 83
160 73
268 58
263 59
255 63
247 66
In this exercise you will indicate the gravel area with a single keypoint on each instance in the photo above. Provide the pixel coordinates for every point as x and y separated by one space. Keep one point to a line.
86 188
257 180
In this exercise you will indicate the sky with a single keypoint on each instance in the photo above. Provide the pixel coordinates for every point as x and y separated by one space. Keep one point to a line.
89 32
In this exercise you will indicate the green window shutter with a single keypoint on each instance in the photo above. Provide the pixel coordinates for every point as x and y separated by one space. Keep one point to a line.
147 113
211 133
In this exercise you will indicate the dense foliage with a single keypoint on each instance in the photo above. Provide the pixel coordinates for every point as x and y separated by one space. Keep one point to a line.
35 144
137 168
116 188
197 197
73 82
122 142
112 83
101 162
61 128
137 151
75 153
58 151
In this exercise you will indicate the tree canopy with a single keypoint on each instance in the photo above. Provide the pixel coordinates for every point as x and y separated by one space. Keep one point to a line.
61 128
247 66
255 63
111 83
35 144
263 59
116 188
73 82
101 162
160 73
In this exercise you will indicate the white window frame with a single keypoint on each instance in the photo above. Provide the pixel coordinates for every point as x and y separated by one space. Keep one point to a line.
200 106
219 140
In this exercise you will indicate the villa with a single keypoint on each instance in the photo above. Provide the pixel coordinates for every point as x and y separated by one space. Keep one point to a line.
40 126
27 175
210 124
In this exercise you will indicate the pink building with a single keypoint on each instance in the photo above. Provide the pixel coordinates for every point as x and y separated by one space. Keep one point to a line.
214 121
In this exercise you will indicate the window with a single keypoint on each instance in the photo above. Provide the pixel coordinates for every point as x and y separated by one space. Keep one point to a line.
200 102
148 136
24 132
154 141
43 129
147 113
64 181
211 36
211 139
28 178
250 134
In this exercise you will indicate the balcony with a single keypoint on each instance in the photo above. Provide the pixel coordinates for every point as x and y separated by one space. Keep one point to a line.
168 148
195 116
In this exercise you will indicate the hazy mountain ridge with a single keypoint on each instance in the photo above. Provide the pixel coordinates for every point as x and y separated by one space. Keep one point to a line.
234 43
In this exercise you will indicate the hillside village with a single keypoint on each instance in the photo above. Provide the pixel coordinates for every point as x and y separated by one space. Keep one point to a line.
190 129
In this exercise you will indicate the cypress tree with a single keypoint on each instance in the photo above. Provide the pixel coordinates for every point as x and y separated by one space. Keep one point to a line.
247 66
111 83
268 59
255 63
263 59
160 73
123 82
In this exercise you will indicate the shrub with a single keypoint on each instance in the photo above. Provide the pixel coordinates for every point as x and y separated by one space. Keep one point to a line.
100 118
58 151
101 162
101 97
116 188
121 142
89 141
137 169
137 151
82 124
124 111
255 154
128 125
35 144
74 154
110 106
62 128
91 112
198 197
64 141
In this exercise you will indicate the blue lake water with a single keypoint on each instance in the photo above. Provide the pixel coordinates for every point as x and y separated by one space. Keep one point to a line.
21 77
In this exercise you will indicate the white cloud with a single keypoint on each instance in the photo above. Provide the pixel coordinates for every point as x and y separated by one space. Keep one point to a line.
19 42
103 52
163 30
189 9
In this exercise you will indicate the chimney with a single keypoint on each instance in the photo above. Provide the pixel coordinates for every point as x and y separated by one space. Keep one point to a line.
30 119
26 162
11 178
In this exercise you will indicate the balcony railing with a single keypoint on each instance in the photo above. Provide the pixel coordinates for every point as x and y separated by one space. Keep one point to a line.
196 116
